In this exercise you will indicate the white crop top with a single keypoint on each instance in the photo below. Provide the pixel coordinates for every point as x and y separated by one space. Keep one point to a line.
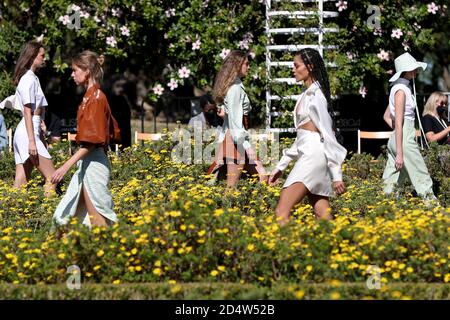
29 91
402 84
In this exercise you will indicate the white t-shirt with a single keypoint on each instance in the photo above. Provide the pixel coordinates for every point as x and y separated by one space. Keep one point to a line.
29 91
402 84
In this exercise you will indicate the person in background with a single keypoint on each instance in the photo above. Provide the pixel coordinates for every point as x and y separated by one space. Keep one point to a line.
434 124
29 142
234 152
208 118
3 134
404 158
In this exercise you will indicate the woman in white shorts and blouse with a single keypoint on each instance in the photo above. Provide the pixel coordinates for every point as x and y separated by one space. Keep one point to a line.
317 172
29 148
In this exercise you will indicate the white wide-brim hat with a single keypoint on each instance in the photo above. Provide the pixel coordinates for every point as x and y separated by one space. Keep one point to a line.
406 62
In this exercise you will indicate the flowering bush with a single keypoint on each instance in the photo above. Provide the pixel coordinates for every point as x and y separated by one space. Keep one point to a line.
183 42
176 227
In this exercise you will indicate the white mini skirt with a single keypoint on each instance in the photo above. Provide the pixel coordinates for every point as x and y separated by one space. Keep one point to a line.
311 166
21 141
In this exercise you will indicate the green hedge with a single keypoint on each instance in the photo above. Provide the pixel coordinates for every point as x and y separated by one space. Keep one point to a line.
228 291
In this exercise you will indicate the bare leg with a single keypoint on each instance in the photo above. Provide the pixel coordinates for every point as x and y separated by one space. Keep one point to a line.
47 169
233 173
289 197
96 218
23 173
321 207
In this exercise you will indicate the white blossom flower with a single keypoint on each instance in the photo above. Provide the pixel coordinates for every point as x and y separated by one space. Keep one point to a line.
341 5
383 55
96 19
406 46
116 12
205 3
84 14
252 54
196 45
170 13
350 55
377 32
396 33
363 91
111 41
243 44
64 19
75 8
133 8
255 76
184 72
172 84
158 89
125 31
40 38
224 53
432 8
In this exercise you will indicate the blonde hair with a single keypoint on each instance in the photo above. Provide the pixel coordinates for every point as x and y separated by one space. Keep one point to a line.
88 60
430 106
229 71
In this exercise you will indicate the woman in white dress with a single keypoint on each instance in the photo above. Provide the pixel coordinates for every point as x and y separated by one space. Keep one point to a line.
29 148
317 171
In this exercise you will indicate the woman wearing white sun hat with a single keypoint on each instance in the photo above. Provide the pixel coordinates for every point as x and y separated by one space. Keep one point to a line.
404 158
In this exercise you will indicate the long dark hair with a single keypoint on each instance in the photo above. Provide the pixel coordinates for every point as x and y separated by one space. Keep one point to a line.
316 67
29 52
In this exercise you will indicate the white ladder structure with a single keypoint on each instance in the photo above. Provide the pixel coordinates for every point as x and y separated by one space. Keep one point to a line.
271 48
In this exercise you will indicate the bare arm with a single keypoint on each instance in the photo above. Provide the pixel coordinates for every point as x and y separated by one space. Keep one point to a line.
387 118
32 149
399 105
431 136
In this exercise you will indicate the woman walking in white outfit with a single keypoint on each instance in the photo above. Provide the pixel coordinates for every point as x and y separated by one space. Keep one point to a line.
404 158
317 171
29 148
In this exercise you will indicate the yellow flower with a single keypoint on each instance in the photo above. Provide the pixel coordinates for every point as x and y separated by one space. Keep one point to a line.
61 256
309 268
100 253
221 268
299 294
214 273
409 270
116 281
335 295
183 227
134 251
157 271
158 263
201 233
251 247
96 268
228 252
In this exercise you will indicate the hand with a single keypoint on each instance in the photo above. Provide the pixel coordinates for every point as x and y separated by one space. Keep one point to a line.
221 112
32 151
59 174
399 161
274 176
338 187
43 127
